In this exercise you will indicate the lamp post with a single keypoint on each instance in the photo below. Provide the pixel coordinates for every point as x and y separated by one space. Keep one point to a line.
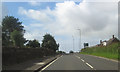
80 38
73 43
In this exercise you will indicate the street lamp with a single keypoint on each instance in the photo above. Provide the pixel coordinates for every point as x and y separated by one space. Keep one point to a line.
80 38
73 42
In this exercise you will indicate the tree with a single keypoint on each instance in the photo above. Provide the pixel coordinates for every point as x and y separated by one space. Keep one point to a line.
33 44
49 42
61 52
9 25
71 52
17 38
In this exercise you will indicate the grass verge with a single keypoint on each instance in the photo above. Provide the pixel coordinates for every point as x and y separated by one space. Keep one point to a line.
110 51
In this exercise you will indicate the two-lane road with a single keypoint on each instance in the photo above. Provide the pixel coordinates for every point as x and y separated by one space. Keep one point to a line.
81 62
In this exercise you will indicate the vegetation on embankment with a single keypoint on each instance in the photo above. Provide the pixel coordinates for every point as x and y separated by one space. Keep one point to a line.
110 51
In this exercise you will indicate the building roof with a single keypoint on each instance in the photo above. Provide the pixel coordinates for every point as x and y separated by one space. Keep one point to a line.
112 40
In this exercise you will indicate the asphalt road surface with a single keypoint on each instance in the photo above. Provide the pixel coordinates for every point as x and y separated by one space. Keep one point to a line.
81 62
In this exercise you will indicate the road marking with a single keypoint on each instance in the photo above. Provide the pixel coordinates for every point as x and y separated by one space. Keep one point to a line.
86 63
89 65
41 63
50 64
82 60
78 57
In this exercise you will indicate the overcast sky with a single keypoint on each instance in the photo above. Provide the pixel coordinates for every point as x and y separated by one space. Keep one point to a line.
96 20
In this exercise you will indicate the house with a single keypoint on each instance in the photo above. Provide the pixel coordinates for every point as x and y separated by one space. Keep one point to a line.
110 41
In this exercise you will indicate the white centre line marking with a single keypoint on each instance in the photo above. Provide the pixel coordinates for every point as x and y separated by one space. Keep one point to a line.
50 64
89 65
78 57
82 60
86 63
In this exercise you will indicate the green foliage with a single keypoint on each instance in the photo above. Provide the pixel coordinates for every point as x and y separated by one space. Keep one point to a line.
49 42
110 51
9 25
33 44
71 52
61 52
17 38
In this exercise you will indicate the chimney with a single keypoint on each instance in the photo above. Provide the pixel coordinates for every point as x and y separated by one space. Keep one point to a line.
113 36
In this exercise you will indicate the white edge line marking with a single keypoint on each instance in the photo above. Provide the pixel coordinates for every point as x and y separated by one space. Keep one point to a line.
89 65
50 63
